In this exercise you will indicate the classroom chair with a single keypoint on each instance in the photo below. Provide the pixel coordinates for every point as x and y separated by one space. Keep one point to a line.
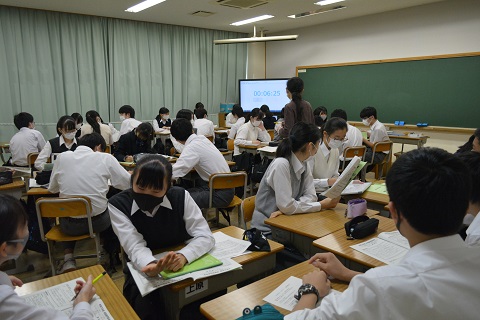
351 152
230 145
210 138
172 151
60 208
226 181
248 205
382 168
108 149
271 132
31 157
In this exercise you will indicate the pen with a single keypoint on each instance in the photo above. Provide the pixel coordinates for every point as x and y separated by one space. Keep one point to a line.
93 282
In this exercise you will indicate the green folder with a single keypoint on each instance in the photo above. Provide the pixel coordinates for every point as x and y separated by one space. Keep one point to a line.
205 262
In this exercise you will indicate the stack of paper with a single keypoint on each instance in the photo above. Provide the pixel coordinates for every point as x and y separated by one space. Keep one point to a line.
388 247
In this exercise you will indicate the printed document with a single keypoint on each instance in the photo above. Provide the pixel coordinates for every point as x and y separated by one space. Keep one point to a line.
388 247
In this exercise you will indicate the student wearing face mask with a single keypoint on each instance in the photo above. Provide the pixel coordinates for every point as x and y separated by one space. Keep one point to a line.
153 215
127 116
238 121
252 132
287 186
66 130
377 133
79 122
320 114
135 142
13 237
326 160
162 121
94 124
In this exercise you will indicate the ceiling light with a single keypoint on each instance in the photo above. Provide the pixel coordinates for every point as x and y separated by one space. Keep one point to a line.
327 2
262 38
144 5
311 13
241 23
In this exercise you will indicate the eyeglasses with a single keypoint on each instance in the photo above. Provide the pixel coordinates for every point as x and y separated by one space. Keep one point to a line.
337 139
22 241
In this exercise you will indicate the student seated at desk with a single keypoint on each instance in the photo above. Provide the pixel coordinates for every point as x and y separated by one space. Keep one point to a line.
95 124
204 126
182 114
472 160
437 278
377 133
320 115
269 119
13 237
78 123
473 143
127 116
26 140
252 132
354 136
86 172
230 120
200 154
153 215
238 121
162 121
326 160
135 142
65 141
288 183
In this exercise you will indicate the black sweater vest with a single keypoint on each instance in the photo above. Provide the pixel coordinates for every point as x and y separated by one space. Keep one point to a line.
57 148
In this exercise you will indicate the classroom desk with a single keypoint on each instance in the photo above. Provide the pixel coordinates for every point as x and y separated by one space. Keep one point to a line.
131 165
253 264
301 230
4 148
376 201
164 135
231 305
106 290
14 189
405 139
338 244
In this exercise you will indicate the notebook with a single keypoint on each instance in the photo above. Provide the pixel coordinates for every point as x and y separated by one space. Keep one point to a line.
205 262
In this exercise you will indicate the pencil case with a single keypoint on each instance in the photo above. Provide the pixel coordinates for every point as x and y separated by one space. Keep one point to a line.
361 227
355 208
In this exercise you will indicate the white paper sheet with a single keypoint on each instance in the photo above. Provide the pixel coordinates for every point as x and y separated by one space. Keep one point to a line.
381 250
396 238
336 190
283 295
356 188
268 149
59 298
228 247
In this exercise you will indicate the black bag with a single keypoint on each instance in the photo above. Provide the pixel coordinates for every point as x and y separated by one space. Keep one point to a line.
259 169
243 162
6 177
159 147
257 240
35 242
361 227
43 177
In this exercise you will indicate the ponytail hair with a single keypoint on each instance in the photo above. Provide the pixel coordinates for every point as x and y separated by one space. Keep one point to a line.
301 134
295 87
332 125
91 117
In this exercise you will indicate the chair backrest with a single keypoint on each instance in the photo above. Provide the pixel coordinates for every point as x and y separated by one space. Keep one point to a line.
228 180
382 146
221 119
271 132
351 152
31 157
210 138
172 151
248 205
230 145
108 149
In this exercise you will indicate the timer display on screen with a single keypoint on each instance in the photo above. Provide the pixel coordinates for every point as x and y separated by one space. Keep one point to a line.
256 92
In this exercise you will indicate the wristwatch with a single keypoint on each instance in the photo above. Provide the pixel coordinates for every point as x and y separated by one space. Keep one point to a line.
306 289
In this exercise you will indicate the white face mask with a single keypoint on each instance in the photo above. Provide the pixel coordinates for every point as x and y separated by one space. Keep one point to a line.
334 144
312 155
256 123
122 118
165 117
323 116
78 126
366 122
192 122
69 135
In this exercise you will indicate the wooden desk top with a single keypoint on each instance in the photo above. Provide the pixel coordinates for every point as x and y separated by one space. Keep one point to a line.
338 244
316 224
17 183
4 145
131 165
106 290
376 197
243 259
406 137
163 133
38 192
231 305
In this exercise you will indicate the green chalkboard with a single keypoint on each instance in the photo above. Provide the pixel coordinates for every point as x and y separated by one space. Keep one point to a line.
441 91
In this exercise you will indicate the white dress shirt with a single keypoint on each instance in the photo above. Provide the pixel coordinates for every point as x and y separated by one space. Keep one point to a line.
325 167
105 132
136 247
25 141
354 139
233 131
128 125
436 279
46 152
201 154
204 127
229 120
473 232
247 133
378 133
13 307
156 127
178 146
86 173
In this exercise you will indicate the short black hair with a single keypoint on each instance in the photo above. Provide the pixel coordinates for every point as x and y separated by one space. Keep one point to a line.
472 161
12 217
266 110
185 114
430 188
256 113
163 110
199 105
368 112
66 123
127 109
237 110
92 140
151 171
181 129
200 113
22 120
339 113
145 131
78 117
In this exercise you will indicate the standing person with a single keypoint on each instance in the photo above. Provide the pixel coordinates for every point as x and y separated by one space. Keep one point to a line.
26 140
79 122
252 132
127 116
297 109
354 136
326 160
237 113
162 121
66 128
269 119
377 133
13 237
287 186
320 115
137 141
153 215
94 124
437 268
